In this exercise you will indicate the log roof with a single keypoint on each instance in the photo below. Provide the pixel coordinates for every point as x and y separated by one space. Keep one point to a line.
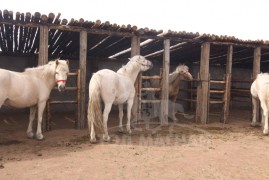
19 35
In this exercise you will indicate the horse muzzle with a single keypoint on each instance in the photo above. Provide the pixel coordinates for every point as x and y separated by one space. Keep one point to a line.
189 76
150 65
61 85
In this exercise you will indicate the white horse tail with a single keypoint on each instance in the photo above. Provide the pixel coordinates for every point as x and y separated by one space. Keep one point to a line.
94 105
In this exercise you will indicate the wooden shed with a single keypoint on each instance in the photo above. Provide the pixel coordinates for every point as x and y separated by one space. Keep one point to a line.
49 36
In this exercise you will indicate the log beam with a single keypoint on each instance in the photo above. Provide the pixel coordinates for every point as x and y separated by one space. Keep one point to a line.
165 83
203 86
82 66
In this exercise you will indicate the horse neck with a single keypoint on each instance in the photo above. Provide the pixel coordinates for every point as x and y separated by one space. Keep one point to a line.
45 73
175 79
130 71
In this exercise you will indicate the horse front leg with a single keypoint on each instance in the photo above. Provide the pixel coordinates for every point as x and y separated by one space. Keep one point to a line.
129 109
173 104
254 112
29 132
105 119
120 117
41 107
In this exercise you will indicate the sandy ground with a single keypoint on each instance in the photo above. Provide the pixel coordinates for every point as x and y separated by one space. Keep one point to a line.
179 151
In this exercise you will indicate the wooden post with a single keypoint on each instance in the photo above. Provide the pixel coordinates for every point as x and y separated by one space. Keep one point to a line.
82 66
202 88
165 83
43 45
256 71
43 59
135 50
78 115
228 78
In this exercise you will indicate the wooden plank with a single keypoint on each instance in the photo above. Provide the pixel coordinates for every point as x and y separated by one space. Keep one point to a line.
256 71
151 77
43 46
165 83
203 87
217 91
228 77
216 102
63 102
150 89
256 62
217 82
83 68
151 101
226 98
43 59
78 114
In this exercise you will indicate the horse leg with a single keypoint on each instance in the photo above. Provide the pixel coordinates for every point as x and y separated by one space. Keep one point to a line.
129 109
254 111
265 117
30 133
173 110
41 107
105 118
120 116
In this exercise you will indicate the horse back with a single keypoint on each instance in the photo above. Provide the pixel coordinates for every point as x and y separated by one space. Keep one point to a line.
114 87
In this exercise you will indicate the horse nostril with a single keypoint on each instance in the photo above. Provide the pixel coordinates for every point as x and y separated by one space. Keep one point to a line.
61 87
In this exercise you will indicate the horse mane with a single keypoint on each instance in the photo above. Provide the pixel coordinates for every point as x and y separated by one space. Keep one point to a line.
126 69
43 70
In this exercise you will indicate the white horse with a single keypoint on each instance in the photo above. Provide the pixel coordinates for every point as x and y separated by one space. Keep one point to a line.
260 91
113 88
32 88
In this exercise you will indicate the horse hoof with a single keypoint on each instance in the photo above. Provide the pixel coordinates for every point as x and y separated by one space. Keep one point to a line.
39 137
30 135
120 130
93 141
129 131
265 132
106 138
254 124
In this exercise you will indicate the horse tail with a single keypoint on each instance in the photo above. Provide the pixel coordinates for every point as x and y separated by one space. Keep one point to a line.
94 104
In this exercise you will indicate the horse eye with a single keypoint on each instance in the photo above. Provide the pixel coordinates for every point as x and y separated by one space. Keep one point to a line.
56 73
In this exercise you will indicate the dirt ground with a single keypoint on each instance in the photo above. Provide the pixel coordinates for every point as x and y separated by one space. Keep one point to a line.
184 150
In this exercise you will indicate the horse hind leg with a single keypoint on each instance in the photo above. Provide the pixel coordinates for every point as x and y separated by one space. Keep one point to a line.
29 132
254 112
120 117
105 119
265 117
93 138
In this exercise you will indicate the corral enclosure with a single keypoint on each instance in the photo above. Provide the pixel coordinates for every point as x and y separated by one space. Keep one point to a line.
199 146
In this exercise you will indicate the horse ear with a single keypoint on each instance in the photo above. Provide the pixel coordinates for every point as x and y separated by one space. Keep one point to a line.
67 62
57 62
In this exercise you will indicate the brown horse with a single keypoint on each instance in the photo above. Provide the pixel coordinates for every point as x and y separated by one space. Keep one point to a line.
181 73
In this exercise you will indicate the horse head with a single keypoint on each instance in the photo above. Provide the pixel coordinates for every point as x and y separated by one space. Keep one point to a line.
183 70
61 73
142 62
